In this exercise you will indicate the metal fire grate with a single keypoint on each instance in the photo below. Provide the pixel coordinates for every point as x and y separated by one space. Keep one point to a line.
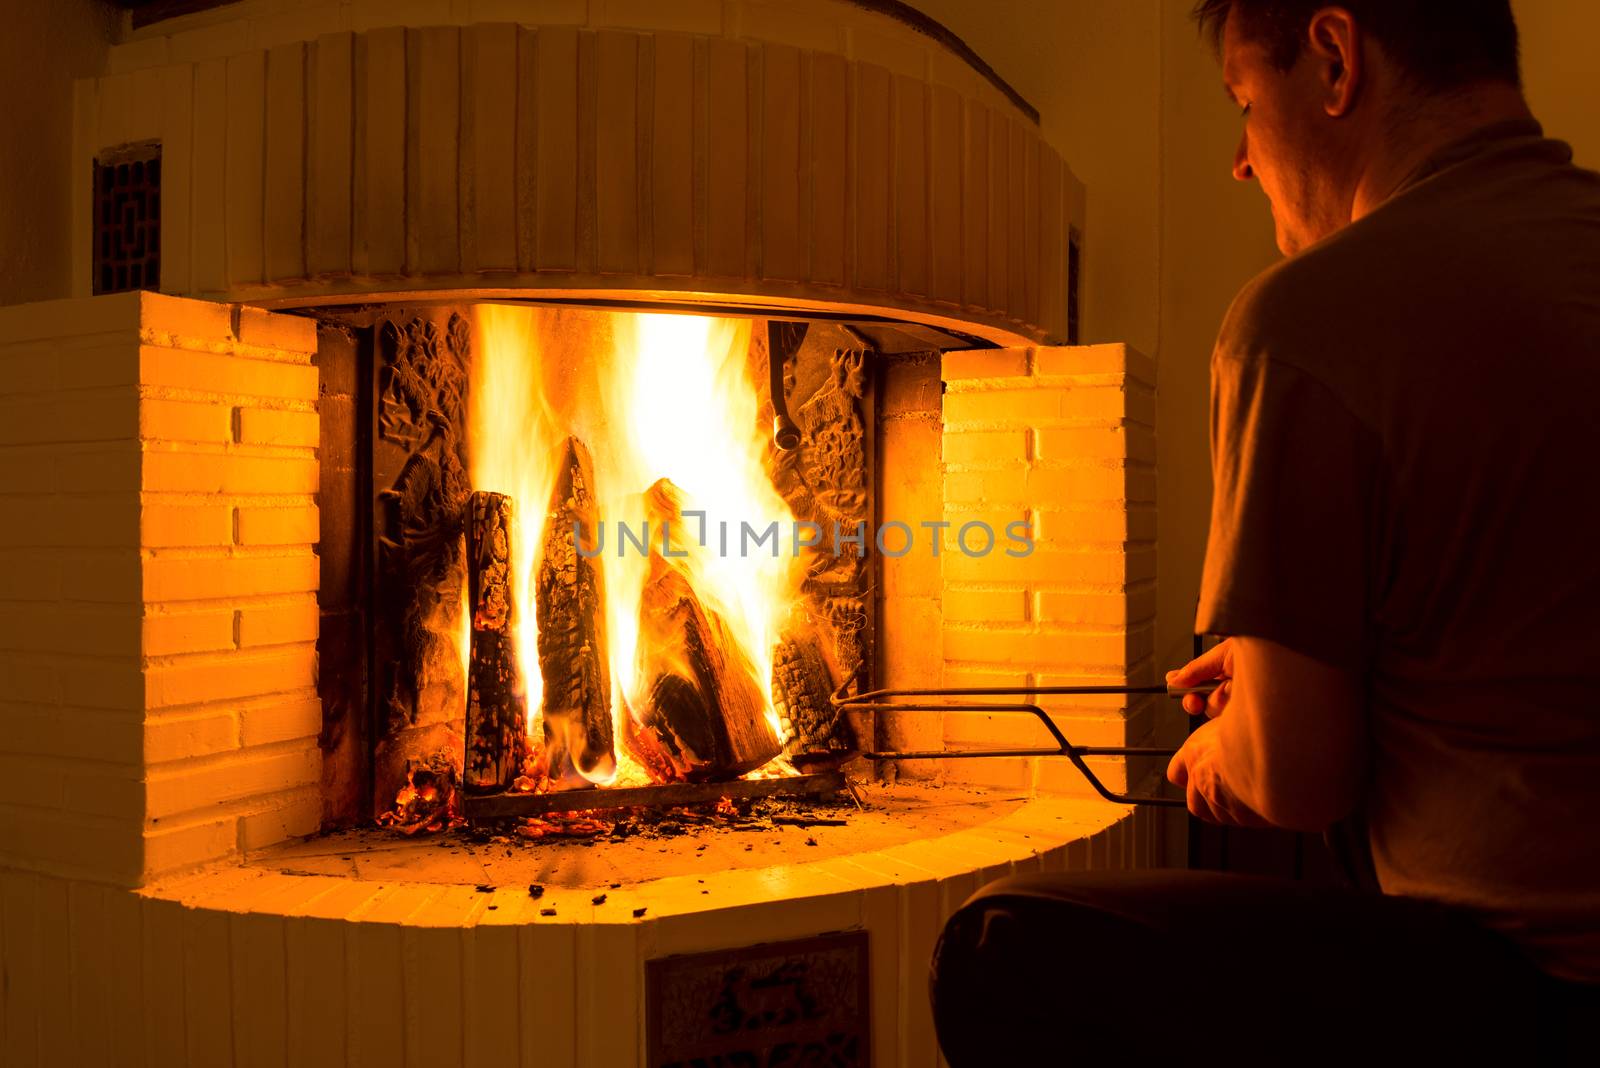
127 219
826 784
895 701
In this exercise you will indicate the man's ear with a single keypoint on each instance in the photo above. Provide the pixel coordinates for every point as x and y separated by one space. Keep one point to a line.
1335 45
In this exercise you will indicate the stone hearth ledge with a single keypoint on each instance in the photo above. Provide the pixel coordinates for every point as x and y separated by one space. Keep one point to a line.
239 964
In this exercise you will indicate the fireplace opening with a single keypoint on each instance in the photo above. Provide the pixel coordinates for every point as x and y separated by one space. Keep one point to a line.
579 550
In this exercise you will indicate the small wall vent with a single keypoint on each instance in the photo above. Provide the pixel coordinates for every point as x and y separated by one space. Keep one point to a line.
127 218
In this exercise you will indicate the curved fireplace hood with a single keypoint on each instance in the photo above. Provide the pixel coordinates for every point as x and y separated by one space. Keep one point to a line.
809 158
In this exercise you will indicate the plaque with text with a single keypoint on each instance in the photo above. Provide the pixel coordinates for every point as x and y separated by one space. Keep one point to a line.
801 1003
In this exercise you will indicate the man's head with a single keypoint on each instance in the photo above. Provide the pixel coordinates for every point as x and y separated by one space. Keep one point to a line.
1325 87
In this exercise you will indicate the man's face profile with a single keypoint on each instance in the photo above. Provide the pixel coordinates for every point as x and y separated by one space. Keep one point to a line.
1281 144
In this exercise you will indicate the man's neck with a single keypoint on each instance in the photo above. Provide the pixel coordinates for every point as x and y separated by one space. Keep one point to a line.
1415 135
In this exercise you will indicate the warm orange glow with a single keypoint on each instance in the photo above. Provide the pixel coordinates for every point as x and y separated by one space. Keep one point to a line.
511 434
653 396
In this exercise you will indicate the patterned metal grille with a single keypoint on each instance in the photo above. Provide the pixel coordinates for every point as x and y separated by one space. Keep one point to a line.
127 220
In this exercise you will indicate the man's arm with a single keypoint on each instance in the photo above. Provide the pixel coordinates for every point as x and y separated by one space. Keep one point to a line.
1290 750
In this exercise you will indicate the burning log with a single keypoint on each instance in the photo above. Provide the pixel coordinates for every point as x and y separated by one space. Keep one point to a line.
704 702
496 721
570 605
801 687
645 746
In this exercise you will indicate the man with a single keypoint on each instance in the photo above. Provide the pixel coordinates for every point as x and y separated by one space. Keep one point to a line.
1405 536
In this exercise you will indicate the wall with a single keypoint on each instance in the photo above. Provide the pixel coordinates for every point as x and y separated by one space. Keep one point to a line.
1093 69
1558 71
45 46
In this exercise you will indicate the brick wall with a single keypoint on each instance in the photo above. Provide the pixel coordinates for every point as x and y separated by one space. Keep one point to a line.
158 579
1062 439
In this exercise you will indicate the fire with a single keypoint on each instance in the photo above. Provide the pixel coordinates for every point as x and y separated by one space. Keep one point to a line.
511 433
652 397
426 804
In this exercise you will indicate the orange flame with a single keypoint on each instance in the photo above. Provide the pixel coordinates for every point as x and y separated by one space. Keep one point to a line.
653 396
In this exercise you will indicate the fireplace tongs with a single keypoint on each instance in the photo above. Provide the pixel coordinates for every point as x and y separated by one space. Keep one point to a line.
890 701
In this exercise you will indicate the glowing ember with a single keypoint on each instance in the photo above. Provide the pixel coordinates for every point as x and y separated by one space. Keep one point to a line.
427 803
653 401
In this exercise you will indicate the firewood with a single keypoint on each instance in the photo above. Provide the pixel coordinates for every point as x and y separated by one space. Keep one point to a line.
703 698
570 606
496 720
644 745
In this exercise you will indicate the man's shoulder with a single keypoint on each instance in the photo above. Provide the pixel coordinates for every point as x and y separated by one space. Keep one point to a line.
1297 301
1377 280
1493 241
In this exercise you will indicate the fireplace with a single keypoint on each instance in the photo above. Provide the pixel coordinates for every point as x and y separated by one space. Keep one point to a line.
282 526
588 562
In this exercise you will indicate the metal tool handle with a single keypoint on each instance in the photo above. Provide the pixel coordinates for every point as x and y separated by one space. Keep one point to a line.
1206 688
887 701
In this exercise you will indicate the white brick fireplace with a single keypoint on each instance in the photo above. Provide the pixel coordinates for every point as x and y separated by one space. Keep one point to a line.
159 550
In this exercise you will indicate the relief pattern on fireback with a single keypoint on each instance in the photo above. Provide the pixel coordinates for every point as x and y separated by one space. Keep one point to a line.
824 482
422 387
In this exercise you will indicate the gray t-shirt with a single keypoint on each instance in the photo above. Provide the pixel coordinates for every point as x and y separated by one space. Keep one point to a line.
1405 446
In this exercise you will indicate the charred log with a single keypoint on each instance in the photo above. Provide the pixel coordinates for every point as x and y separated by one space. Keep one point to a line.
496 707
801 688
703 703
570 603
645 746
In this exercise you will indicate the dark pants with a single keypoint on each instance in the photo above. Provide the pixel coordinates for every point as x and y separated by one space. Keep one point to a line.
1211 968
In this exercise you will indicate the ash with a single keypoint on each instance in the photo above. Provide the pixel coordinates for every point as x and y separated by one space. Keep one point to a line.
620 848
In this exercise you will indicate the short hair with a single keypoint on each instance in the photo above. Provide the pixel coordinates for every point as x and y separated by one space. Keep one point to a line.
1442 44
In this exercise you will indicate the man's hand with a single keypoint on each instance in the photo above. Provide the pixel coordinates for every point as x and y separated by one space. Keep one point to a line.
1291 752
1210 666
1197 768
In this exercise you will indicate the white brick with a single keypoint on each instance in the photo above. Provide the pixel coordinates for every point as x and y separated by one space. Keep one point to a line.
168 420
184 317
275 330
177 846
90 630
188 578
985 363
169 633
173 471
289 816
278 526
163 526
53 319
278 624
70 844
266 426
77 416
281 721
226 375
187 735
223 676
193 786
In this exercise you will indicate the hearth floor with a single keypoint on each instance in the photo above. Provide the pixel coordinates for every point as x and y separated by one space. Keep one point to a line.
651 846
